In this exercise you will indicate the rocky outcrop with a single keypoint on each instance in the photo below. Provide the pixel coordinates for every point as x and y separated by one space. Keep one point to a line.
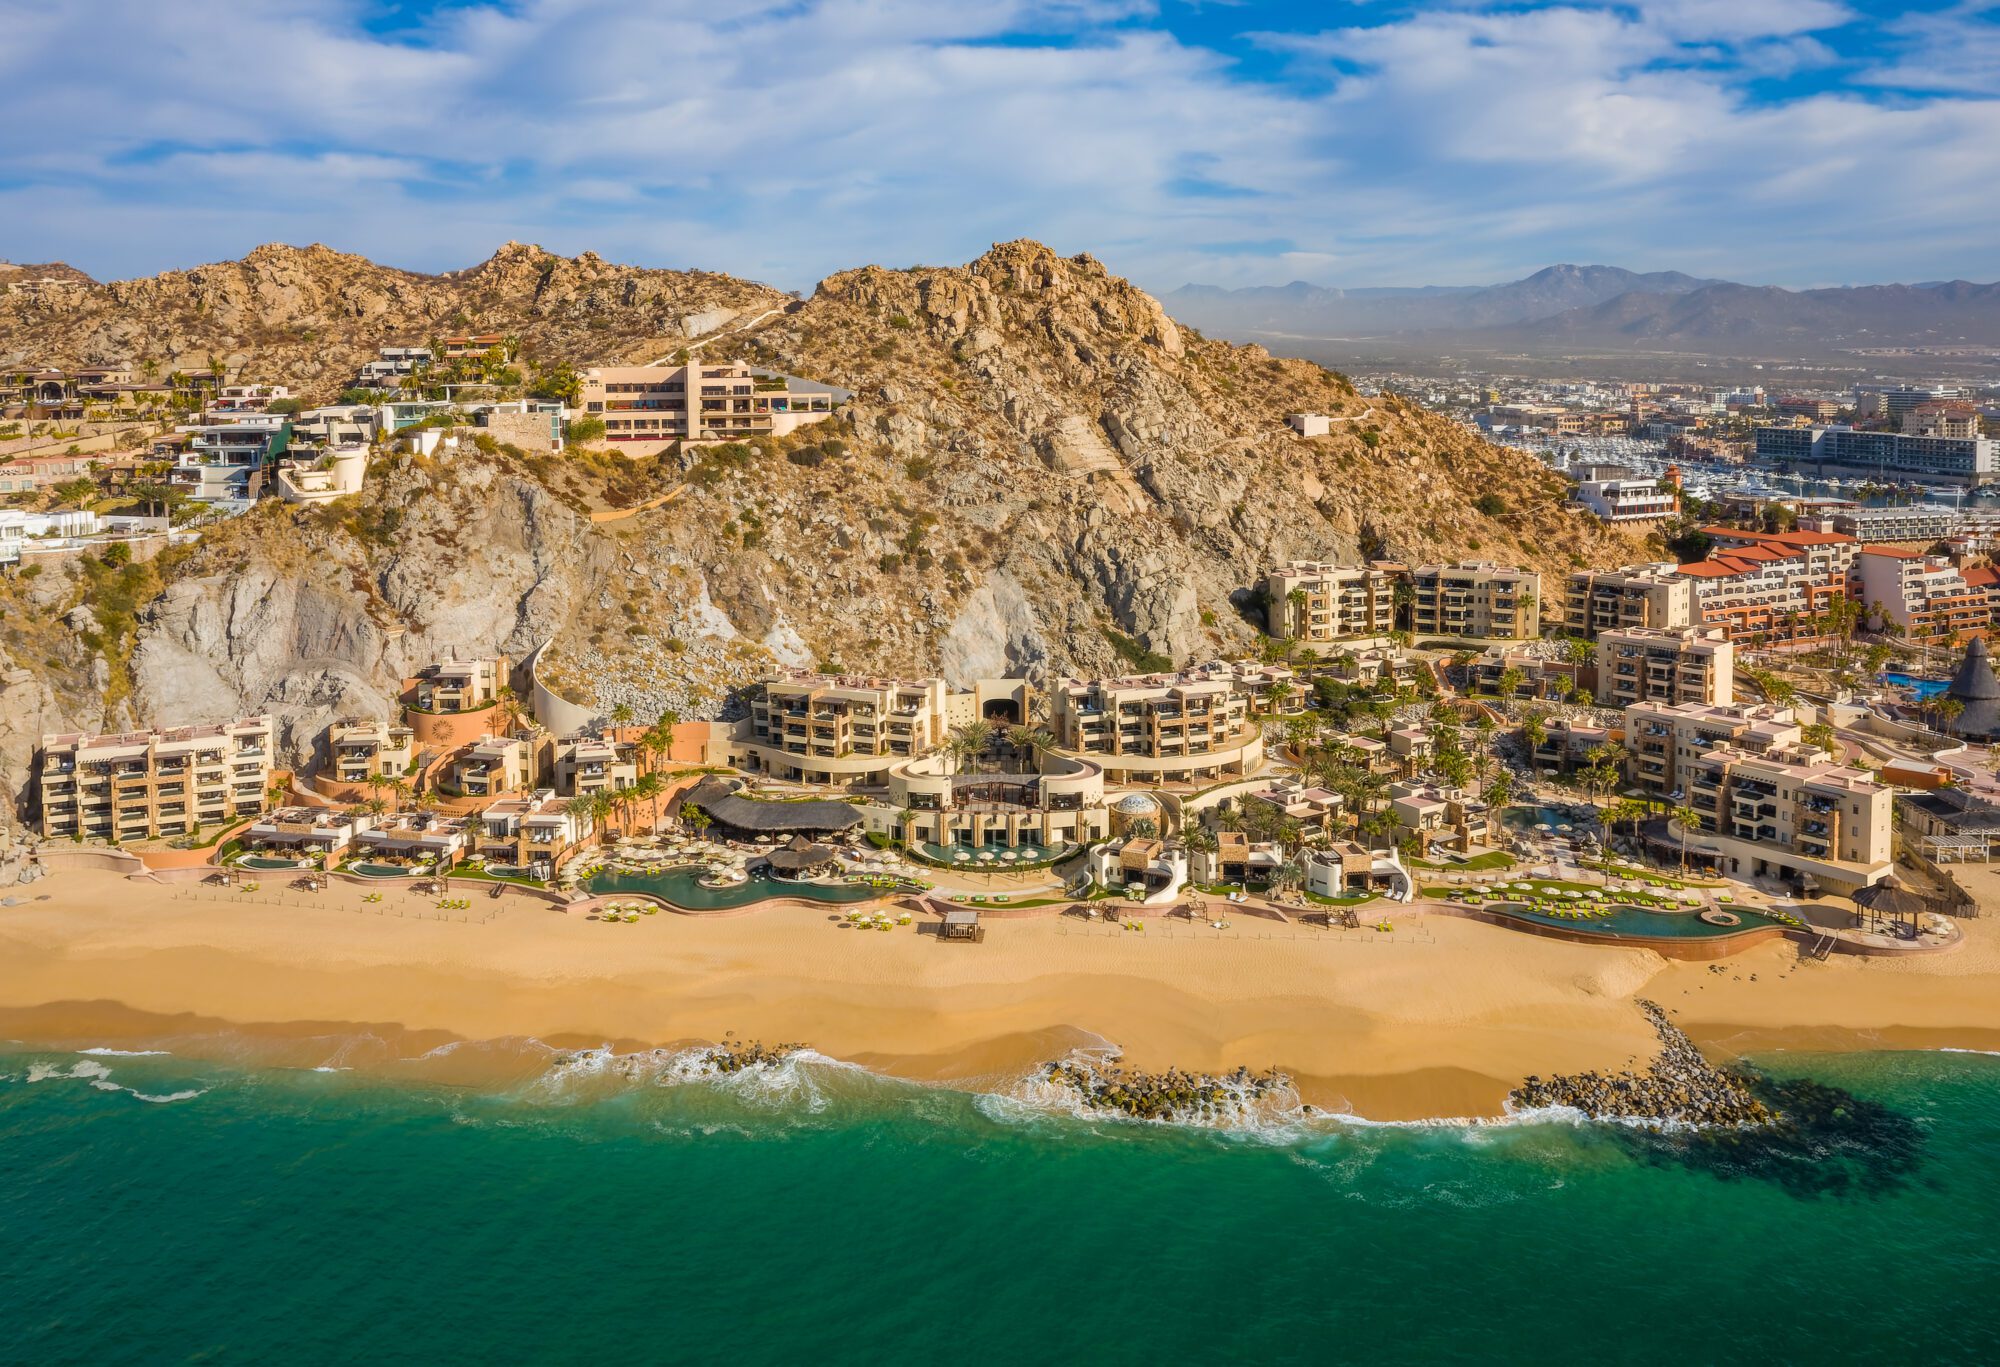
1039 474
309 316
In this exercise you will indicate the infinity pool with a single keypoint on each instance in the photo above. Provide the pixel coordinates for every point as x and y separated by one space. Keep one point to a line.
1634 921
682 888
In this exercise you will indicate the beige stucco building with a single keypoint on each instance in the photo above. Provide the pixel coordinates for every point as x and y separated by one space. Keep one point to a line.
646 409
1655 596
1478 599
143 784
1316 602
1190 727
1640 664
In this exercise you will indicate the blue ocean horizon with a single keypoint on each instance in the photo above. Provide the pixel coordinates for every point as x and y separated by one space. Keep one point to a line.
157 1208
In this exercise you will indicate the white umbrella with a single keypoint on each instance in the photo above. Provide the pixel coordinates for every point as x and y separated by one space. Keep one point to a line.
961 855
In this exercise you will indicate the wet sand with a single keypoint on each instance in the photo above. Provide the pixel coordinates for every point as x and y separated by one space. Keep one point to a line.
1439 1019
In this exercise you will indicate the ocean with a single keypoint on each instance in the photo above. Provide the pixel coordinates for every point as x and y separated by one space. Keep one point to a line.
156 1209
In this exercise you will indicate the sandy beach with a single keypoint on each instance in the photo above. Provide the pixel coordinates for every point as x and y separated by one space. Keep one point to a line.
1440 1018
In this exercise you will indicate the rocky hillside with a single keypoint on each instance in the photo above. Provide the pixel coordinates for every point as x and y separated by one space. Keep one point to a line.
1039 472
308 316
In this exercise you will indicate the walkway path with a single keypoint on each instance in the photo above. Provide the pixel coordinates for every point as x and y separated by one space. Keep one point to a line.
693 347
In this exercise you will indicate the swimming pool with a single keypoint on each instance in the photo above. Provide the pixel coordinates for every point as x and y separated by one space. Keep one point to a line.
1637 922
267 863
682 888
1925 689
385 871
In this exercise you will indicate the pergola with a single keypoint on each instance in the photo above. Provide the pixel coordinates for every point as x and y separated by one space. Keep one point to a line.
1943 849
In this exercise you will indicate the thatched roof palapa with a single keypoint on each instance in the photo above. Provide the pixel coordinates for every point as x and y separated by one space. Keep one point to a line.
1976 686
801 856
720 798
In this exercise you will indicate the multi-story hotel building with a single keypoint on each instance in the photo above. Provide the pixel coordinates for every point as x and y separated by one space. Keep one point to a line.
1770 587
1337 601
590 764
1770 803
533 832
646 409
1194 726
1916 522
1059 803
1629 499
459 685
841 729
493 765
1656 596
1925 595
358 750
144 784
1970 459
1692 665
1476 600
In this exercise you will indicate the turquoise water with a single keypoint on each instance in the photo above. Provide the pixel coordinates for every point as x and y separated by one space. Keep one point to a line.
367 870
1630 920
682 888
822 1215
1527 818
263 862
1925 689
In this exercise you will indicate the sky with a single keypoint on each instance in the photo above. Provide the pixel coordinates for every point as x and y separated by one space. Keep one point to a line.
1789 142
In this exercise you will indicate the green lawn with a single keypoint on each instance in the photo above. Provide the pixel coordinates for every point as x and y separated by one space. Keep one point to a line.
1492 859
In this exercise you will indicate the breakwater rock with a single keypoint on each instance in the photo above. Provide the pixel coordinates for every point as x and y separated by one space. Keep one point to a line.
1680 1087
1170 1096
736 1056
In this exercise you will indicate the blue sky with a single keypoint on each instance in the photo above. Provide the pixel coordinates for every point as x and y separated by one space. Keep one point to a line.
1793 142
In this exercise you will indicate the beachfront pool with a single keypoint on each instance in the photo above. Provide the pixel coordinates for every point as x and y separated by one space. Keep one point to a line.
265 863
1637 922
385 871
1925 689
682 888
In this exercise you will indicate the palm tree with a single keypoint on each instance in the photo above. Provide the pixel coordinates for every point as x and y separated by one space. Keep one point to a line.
694 818
648 790
968 743
1199 839
622 714
510 706
1688 818
1298 599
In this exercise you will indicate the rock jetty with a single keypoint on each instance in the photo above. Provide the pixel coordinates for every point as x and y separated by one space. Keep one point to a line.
736 1056
1170 1096
1680 1087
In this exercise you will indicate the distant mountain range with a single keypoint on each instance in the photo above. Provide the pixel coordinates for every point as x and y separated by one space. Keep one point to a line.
1605 307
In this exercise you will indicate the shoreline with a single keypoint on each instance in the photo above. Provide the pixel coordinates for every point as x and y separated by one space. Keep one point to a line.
1441 1020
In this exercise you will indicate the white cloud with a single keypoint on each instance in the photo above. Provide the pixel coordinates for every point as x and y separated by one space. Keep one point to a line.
787 140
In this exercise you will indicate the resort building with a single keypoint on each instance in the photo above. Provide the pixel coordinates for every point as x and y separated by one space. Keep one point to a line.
1628 499
590 764
391 365
226 461
1915 522
1924 595
1345 866
145 784
1791 813
325 831
1662 738
324 476
647 409
1377 666
1969 459
459 685
412 835
1316 602
533 833
1950 824
1411 747
1189 727
1317 812
1059 803
493 765
1536 672
1770 589
247 398
458 346
839 728
358 750
1951 419
1694 664
1655 596
1567 744
1439 817
1476 600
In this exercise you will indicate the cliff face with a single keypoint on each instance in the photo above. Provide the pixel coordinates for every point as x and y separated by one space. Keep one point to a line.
309 316
1040 472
